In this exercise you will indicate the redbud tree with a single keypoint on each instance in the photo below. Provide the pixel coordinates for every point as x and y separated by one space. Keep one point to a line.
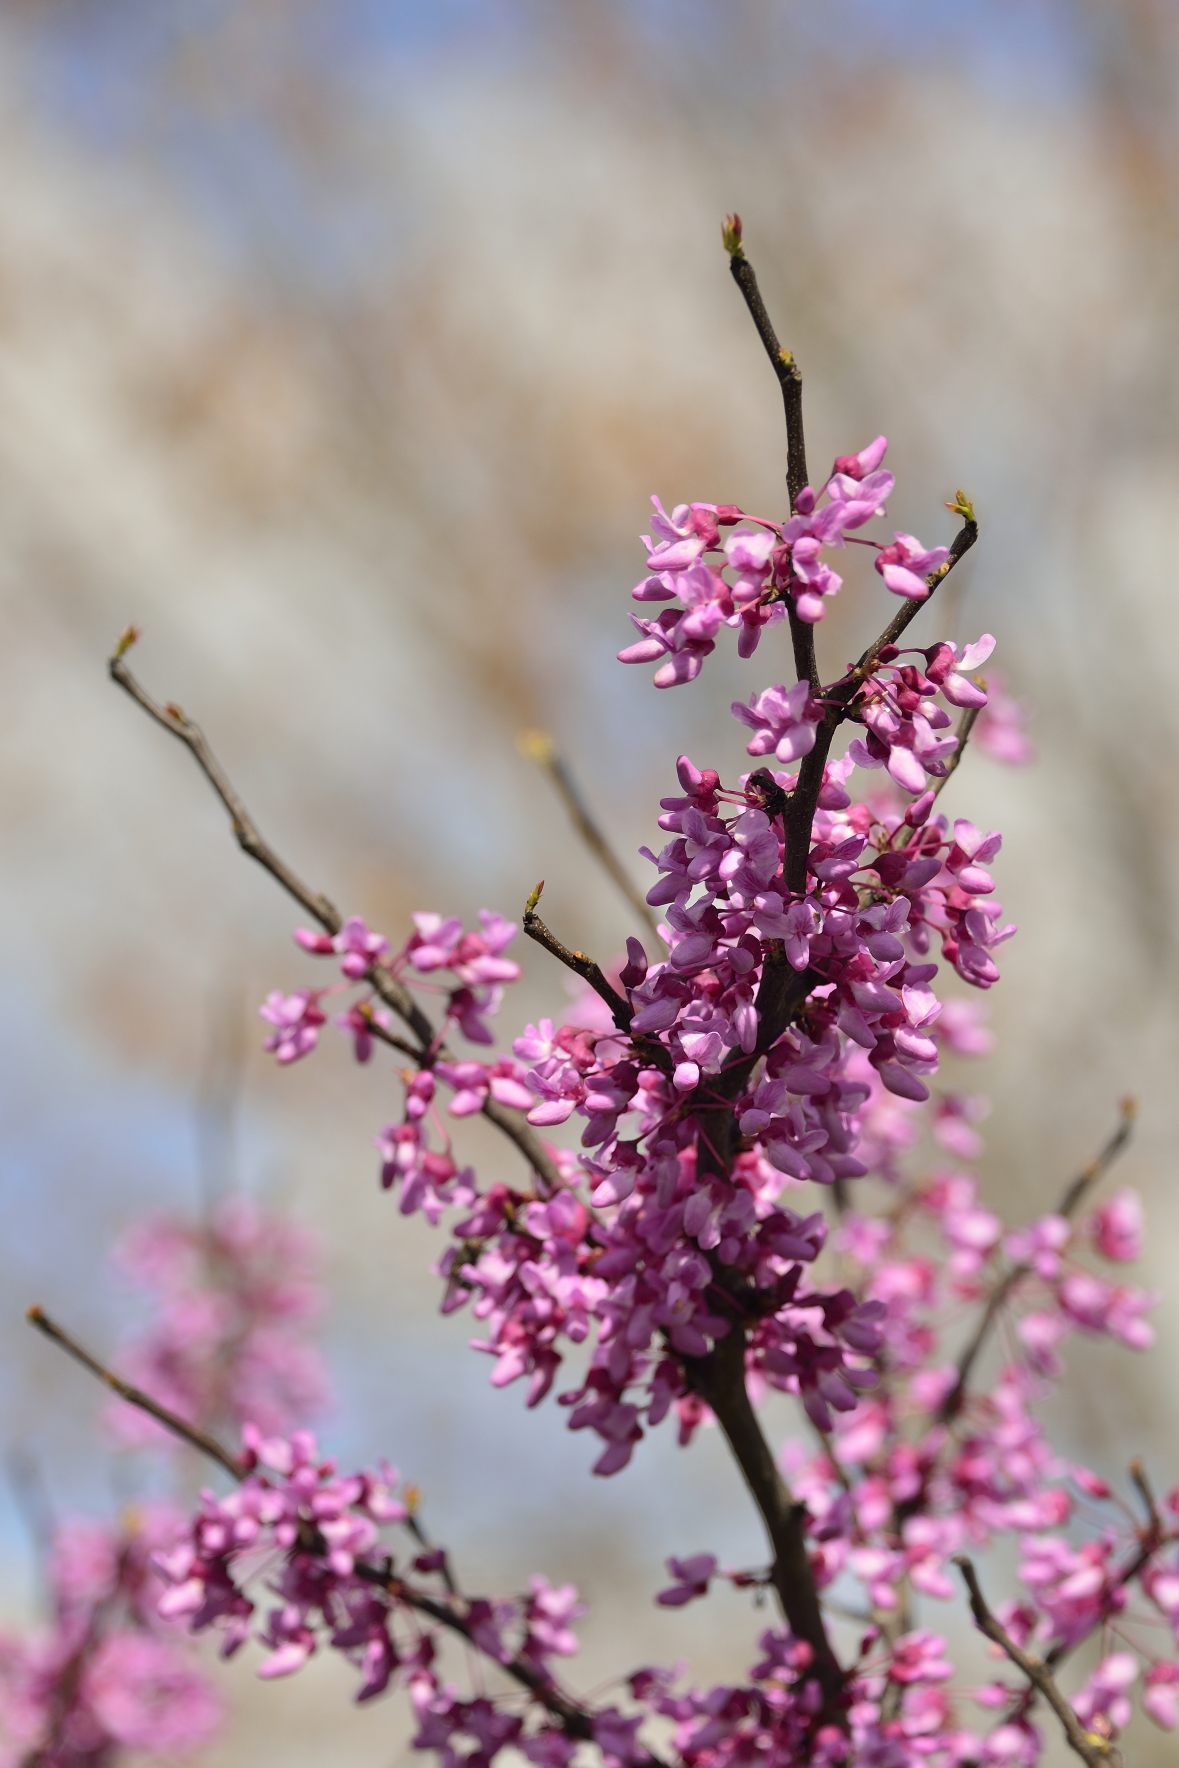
743 1210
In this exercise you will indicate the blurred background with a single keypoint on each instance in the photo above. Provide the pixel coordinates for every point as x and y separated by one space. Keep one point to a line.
341 345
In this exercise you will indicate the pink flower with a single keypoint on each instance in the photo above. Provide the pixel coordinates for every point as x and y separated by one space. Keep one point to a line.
1116 1228
906 565
783 723
297 1018
692 1579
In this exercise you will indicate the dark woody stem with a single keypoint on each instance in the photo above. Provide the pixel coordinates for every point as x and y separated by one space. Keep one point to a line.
384 984
135 1396
448 1611
802 635
719 1379
803 801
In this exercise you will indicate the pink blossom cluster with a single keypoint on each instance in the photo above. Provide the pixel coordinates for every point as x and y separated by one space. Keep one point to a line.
106 1675
311 1539
234 1302
769 565
786 1034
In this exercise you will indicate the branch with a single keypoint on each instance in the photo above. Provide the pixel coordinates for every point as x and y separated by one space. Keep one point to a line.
965 726
388 987
538 746
803 801
1098 1752
134 1396
719 1379
586 968
790 380
1073 1197
578 1721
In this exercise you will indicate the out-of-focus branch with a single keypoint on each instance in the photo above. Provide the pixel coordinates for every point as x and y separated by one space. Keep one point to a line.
538 746
786 369
1073 1197
388 987
448 1612
1098 1752
135 1396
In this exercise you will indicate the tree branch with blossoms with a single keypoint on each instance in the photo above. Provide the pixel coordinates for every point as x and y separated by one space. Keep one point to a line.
777 1041
1096 1751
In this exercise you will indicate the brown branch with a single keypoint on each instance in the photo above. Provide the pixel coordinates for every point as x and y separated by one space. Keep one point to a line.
586 968
802 635
719 1379
538 746
1073 1197
388 987
578 1721
1098 1752
135 1396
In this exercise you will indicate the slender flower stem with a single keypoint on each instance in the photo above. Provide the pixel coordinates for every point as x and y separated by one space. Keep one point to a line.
388 987
1096 1751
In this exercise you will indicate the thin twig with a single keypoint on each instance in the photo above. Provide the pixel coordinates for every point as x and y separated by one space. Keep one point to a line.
800 811
1098 1752
965 726
1074 1196
1142 1485
135 1396
802 635
538 746
388 987
577 1720
589 971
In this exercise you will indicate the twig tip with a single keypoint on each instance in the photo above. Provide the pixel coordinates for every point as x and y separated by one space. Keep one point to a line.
530 905
536 745
129 636
731 231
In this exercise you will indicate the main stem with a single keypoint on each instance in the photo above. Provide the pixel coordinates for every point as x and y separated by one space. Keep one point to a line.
719 1379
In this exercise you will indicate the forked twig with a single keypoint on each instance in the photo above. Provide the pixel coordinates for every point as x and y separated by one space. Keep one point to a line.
388 987
1098 1752
448 1612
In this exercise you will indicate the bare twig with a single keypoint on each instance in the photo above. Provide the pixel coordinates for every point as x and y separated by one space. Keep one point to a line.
448 1612
538 746
586 968
135 1396
786 369
1073 1197
388 987
965 726
1142 1485
1098 1752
